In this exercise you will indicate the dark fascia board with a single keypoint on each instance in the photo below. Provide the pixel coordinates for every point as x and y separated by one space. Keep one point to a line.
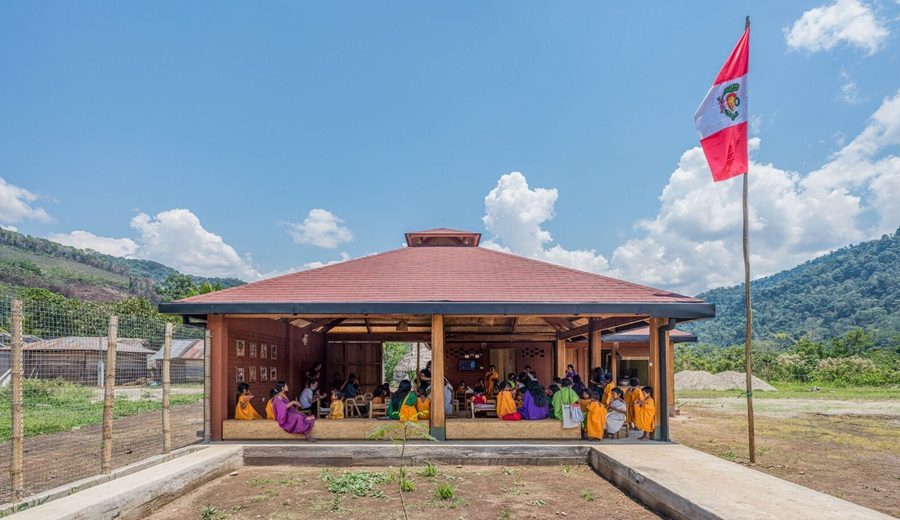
644 338
680 311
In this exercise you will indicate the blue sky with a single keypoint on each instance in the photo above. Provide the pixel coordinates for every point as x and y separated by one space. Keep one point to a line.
398 116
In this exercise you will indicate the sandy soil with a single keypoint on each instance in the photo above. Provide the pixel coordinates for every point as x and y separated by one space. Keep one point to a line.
848 449
481 492
59 458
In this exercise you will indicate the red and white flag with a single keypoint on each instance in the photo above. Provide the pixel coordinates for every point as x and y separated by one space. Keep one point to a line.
722 117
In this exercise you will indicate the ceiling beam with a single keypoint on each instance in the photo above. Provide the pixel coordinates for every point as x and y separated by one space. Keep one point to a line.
600 324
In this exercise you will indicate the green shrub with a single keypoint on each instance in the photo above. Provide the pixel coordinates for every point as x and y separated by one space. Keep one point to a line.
444 492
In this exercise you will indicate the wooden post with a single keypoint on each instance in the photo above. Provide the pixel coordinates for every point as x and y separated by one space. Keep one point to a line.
614 365
207 348
418 359
596 340
670 372
166 388
560 358
17 455
438 418
218 388
653 368
109 395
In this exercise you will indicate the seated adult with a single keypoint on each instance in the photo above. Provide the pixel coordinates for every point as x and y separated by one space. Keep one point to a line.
479 387
565 396
616 412
424 377
577 385
506 405
351 387
402 405
288 417
310 397
535 405
243 410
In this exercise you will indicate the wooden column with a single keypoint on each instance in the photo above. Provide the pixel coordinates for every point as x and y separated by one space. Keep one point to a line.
289 345
653 368
17 405
166 389
207 369
438 419
614 362
597 350
560 357
218 392
670 373
109 395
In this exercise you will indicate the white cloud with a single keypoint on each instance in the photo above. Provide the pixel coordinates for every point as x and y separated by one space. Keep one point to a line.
514 214
694 242
850 90
320 228
8 228
124 247
178 239
850 22
17 204
315 265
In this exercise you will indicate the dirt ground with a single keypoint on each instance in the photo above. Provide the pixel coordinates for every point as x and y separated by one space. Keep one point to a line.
480 492
850 449
59 458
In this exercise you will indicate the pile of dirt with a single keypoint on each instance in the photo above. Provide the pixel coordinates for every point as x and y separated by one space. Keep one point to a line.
702 380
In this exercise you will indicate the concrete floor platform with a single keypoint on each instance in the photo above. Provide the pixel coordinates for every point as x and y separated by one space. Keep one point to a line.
681 482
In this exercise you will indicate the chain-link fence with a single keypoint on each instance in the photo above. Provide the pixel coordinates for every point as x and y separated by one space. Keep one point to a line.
86 408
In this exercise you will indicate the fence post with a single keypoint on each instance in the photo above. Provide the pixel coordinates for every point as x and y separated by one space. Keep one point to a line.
166 388
17 454
207 343
109 395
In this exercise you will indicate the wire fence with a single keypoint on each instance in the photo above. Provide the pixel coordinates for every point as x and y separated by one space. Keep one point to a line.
83 390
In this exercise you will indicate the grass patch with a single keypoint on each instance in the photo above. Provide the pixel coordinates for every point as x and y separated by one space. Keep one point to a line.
444 492
211 513
588 495
429 470
360 483
811 390
57 405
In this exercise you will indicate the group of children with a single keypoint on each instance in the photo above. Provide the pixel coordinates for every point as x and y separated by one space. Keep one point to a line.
517 398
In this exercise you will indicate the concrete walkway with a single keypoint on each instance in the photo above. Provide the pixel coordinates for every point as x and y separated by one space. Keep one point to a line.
136 495
681 482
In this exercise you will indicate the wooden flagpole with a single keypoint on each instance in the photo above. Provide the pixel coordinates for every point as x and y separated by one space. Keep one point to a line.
749 328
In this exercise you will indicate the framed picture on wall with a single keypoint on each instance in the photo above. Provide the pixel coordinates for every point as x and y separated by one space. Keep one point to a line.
252 378
240 375
273 351
240 348
263 374
273 374
263 351
252 349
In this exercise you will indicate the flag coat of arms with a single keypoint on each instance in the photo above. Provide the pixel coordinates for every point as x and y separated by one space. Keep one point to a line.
721 119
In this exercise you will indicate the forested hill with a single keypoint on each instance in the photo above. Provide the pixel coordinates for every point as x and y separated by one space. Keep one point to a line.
857 286
27 261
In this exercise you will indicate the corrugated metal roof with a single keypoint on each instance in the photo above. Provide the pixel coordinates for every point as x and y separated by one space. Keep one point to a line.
76 343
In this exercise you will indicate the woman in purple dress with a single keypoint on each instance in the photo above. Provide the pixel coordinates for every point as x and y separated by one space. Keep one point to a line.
287 414
534 402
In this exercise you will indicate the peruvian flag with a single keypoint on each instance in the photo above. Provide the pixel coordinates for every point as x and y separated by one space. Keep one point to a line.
722 117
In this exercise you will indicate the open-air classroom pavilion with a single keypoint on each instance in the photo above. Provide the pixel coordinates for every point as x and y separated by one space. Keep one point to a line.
473 305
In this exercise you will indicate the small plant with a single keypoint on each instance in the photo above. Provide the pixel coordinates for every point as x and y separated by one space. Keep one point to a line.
210 513
566 469
259 482
588 495
729 456
430 470
406 485
506 515
537 502
359 483
506 471
444 492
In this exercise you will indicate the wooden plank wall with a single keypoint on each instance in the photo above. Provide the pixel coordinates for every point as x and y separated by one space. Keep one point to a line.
255 333
363 359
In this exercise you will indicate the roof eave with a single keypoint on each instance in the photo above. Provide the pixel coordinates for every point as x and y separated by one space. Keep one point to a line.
681 311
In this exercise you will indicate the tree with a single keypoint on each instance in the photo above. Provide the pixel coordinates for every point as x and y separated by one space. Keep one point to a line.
176 287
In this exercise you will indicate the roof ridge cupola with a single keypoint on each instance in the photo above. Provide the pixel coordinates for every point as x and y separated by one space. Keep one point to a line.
442 237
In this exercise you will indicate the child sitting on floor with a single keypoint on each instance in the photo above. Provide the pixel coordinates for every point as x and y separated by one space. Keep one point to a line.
337 405
423 405
243 410
270 412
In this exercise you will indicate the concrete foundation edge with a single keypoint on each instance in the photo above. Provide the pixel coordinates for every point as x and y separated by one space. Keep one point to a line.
650 493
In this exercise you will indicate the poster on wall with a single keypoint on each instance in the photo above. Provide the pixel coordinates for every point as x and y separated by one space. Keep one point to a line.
240 348
273 351
240 375
273 375
252 349
252 374
263 351
263 374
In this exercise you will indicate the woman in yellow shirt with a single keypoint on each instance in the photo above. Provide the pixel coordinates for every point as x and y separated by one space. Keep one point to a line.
506 405
645 413
243 410
490 379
